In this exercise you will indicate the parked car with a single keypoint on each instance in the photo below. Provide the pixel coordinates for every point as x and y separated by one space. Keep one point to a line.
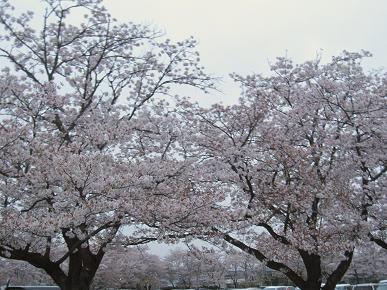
366 286
343 287
279 288
382 285
31 288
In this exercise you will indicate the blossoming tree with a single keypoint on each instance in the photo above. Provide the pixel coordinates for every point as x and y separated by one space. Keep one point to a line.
76 121
299 164
133 268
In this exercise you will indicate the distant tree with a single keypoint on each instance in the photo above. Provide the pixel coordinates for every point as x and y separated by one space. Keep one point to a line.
234 267
195 268
79 136
212 268
131 268
172 265
151 275
22 273
181 268
369 265
251 269
298 166
243 269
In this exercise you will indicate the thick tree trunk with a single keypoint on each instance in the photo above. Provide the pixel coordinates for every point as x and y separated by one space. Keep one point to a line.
78 278
83 265
76 284
82 268
312 264
80 281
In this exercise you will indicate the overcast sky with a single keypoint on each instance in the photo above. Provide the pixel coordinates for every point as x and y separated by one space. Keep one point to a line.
243 36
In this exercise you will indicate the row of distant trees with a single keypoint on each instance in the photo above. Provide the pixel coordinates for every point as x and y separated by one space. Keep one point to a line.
136 268
97 149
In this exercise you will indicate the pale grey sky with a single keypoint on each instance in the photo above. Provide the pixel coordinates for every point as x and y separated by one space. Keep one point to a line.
245 35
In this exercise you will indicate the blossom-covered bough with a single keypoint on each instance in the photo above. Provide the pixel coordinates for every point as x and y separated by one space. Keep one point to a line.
300 163
292 174
79 133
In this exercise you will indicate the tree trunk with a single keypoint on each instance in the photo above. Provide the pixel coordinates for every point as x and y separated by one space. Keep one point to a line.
312 263
83 265
235 282
81 281
339 272
76 285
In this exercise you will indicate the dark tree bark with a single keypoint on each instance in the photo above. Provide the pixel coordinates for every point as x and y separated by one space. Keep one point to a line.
312 263
83 265
378 241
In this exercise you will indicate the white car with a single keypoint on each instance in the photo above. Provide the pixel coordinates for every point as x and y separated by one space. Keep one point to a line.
343 287
382 285
366 286
279 288
31 288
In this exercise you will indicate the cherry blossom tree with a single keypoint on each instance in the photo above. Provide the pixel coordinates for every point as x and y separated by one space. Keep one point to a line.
234 267
212 267
369 264
22 273
83 149
299 165
195 268
131 268
243 269
181 268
